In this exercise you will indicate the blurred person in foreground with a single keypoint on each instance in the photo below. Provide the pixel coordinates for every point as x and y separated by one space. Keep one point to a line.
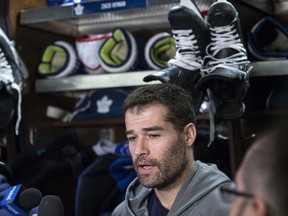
261 187
160 128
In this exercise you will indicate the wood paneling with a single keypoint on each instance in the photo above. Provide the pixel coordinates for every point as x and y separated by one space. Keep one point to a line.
15 6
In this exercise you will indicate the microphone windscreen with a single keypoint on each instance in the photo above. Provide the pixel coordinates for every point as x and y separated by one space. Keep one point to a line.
30 198
51 205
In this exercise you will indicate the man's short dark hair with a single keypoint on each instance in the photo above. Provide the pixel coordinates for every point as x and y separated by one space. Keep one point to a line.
177 100
267 166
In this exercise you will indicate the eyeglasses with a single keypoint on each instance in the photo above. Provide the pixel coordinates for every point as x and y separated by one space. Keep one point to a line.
229 192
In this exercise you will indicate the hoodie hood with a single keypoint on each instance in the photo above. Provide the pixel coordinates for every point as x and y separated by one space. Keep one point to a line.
199 194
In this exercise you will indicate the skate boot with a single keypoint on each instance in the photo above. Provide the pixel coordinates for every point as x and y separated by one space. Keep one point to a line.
191 35
225 71
11 81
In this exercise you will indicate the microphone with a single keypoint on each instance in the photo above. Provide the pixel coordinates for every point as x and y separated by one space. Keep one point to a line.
51 205
20 201
30 198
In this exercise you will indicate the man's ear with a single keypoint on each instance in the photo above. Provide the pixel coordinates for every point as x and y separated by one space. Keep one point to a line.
189 134
259 206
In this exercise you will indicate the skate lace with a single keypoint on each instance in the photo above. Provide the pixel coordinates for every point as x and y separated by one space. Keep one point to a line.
6 76
225 37
188 53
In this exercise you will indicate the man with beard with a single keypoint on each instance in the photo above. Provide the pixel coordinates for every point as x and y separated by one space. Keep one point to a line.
160 128
261 187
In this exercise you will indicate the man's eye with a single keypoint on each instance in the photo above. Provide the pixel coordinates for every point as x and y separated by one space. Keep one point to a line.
131 139
153 135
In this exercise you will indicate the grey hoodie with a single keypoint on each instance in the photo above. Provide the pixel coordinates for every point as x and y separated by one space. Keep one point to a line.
198 196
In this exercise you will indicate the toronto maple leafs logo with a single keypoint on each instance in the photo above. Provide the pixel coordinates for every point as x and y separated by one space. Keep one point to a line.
103 105
78 9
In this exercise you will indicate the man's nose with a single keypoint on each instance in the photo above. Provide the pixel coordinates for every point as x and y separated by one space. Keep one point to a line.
141 147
